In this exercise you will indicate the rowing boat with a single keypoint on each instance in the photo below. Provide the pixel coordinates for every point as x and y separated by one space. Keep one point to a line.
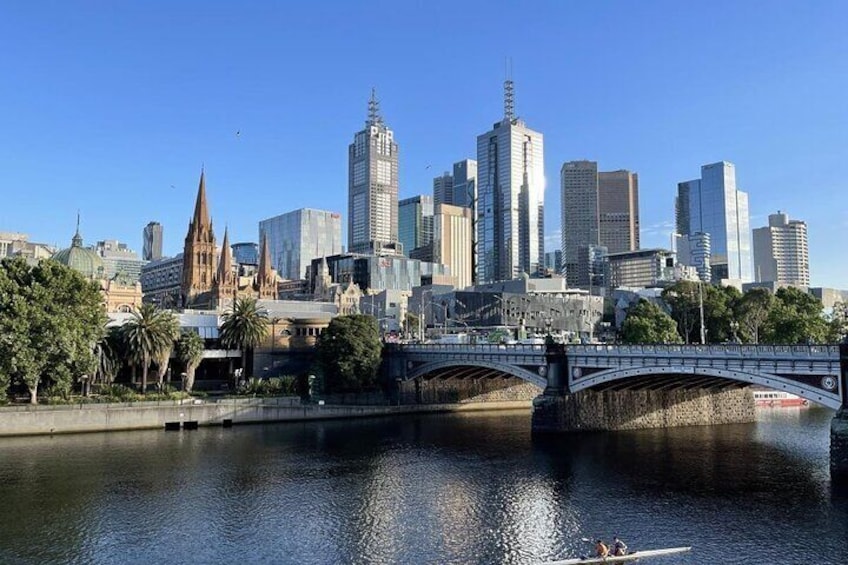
629 558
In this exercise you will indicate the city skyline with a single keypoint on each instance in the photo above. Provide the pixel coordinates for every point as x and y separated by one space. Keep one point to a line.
124 142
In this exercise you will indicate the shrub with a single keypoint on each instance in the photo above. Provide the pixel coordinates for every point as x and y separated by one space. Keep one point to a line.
118 393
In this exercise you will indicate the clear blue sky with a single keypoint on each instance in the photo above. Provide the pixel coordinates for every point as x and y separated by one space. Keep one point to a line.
112 107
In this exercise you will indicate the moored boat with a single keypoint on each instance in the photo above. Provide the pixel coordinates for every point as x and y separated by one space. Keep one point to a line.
777 399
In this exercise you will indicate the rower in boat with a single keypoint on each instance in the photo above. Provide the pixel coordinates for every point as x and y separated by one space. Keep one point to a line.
619 548
642 555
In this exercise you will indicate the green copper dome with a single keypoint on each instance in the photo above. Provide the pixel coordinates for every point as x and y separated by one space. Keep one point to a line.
77 257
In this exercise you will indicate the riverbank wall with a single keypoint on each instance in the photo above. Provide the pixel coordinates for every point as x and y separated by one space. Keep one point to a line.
62 419
641 409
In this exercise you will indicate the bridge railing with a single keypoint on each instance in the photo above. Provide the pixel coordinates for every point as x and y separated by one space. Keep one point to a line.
723 350
456 347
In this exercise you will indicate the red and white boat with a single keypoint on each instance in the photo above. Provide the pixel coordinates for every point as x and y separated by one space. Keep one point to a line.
777 399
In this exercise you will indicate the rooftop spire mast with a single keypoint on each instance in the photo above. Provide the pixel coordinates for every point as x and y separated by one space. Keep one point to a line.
509 93
374 117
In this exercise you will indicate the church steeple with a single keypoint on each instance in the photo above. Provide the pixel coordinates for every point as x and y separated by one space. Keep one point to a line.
200 251
265 280
226 285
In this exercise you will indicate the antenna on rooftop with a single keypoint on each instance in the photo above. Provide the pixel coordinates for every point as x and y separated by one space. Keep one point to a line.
374 117
509 93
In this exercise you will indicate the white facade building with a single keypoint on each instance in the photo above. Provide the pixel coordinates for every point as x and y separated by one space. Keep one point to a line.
781 253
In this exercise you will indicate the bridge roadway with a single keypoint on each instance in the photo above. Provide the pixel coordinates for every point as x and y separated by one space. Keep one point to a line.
809 371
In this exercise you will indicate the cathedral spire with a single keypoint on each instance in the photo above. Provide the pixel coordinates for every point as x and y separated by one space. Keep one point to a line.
225 266
201 210
265 260
266 282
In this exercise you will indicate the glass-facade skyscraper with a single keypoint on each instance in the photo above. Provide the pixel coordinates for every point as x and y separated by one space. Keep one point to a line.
713 205
511 197
415 222
372 185
151 249
298 237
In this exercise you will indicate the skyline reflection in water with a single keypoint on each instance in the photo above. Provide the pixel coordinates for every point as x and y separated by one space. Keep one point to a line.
463 488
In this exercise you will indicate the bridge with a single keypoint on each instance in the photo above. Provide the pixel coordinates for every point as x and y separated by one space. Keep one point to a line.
673 374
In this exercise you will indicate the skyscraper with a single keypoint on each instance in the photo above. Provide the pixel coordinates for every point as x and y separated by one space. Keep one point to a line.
618 210
443 189
511 196
152 237
598 208
372 185
579 200
452 241
296 238
415 222
713 205
781 254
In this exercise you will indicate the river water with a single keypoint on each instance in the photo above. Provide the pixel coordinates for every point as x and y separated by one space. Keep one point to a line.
461 488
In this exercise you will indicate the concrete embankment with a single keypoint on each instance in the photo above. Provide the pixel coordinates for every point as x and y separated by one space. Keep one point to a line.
42 420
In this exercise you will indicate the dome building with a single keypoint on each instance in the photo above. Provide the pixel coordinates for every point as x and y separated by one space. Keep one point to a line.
117 297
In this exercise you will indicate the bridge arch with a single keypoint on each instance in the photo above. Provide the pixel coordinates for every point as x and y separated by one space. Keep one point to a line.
519 371
683 374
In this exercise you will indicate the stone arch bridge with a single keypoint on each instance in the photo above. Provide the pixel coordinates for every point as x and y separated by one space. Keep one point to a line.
581 382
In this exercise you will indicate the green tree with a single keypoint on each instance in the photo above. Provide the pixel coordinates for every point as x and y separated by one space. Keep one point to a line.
349 354
719 302
146 334
190 352
795 318
647 323
51 318
109 352
244 327
683 299
837 323
752 312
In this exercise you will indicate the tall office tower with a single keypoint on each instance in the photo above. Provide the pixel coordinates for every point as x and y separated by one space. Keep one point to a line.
415 222
372 185
152 248
119 261
598 208
579 201
713 205
553 261
452 241
443 189
591 266
781 254
693 250
511 198
618 210
245 253
297 237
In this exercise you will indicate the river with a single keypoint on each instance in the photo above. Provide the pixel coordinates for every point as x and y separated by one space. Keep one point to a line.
460 488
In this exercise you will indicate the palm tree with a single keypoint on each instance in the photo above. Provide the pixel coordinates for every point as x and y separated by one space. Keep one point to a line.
146 334
244 326
108 351
190 352
170 323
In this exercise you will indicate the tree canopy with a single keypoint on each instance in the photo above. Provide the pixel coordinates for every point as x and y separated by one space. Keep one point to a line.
51 319
648 323
244 326
349 354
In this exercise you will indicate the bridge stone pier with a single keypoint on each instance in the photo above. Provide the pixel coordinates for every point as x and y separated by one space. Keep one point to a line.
619 387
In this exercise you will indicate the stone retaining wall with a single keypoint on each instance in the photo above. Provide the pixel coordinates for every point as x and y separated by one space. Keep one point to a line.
45 420
630 410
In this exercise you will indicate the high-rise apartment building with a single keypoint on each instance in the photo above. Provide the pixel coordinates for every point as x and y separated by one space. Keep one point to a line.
511 197
415 222
296 238
781 254
119 261
372 185
598 208
452 241
713 205
693 250
152 246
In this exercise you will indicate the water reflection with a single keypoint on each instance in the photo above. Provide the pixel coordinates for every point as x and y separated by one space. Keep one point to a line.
471 488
